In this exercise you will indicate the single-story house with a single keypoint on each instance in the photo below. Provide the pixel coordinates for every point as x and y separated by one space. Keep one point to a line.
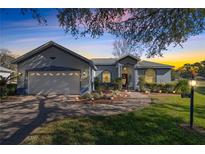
52 68
5 72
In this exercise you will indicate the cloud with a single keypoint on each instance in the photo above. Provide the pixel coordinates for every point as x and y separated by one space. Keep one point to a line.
36 39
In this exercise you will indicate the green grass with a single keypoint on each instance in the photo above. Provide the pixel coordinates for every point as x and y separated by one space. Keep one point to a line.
201 90
157 124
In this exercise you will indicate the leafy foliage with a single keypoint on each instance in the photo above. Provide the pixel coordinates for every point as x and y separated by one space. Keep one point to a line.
122 48
187 70
176 87
155 29
118 83
6 58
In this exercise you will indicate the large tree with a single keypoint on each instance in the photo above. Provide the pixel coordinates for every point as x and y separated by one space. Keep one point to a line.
187 70
6 59
122 48
154 29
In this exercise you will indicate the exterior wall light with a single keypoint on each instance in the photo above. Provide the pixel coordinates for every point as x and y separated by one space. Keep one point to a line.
19 73
84 74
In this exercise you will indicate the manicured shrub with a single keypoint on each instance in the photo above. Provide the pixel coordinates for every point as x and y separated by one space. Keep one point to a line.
96 83
141 83
118 84
97 95
86 96
105 86
11 89
178 87
182 86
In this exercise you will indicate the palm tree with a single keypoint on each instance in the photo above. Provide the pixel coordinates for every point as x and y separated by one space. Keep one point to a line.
3 84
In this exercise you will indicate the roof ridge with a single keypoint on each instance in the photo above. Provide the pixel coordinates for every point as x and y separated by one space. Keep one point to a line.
155 62
48 44
103 58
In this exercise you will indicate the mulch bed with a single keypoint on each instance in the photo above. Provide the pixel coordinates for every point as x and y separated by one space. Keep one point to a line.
12 98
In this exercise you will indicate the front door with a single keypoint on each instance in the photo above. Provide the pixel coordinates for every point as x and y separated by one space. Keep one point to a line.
125 80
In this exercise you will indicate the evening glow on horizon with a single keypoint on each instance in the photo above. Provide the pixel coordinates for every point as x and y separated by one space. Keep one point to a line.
21 33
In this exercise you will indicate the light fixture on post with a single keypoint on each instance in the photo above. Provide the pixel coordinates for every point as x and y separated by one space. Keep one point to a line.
192 84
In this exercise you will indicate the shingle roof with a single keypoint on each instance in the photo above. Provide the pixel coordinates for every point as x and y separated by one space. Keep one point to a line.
148 64
3 69
140 64
104 61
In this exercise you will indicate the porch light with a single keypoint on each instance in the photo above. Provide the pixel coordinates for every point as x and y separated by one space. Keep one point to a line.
125 68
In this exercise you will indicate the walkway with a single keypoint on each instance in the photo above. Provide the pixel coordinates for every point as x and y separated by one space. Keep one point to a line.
18 118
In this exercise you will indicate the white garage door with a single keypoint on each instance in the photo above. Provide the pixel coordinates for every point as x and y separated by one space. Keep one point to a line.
54 82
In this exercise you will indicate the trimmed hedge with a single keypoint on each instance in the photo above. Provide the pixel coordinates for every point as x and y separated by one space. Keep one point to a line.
174 87
11 89
116 84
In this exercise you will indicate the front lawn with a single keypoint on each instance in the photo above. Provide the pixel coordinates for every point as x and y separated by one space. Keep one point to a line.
160 123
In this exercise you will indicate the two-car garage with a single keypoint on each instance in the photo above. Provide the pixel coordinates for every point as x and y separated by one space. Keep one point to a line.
53 82
54 69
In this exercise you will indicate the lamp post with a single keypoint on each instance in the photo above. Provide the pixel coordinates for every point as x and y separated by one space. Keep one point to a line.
193 84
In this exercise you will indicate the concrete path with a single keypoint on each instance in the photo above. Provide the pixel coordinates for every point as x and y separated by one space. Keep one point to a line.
20 117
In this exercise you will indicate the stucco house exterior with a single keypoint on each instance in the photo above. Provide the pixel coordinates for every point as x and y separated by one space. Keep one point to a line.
52 68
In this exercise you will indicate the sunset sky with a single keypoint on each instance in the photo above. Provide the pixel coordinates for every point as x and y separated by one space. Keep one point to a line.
21 33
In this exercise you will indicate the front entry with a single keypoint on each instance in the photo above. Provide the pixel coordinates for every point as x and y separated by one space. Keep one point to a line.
125 80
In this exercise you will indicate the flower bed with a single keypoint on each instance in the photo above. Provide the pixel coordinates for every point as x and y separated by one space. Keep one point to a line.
104 96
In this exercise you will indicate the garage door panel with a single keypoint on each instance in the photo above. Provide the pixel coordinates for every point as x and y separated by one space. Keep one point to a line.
54 82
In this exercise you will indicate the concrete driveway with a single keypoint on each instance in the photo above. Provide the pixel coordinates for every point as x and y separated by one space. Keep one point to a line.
19 117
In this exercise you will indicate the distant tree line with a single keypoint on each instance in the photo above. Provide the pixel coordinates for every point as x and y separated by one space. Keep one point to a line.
186 71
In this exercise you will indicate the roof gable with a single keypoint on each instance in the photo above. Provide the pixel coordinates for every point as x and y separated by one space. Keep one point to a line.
128 60
46 46
129 56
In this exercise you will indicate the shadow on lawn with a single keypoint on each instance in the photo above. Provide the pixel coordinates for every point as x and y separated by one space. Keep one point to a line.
25 130
132 128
